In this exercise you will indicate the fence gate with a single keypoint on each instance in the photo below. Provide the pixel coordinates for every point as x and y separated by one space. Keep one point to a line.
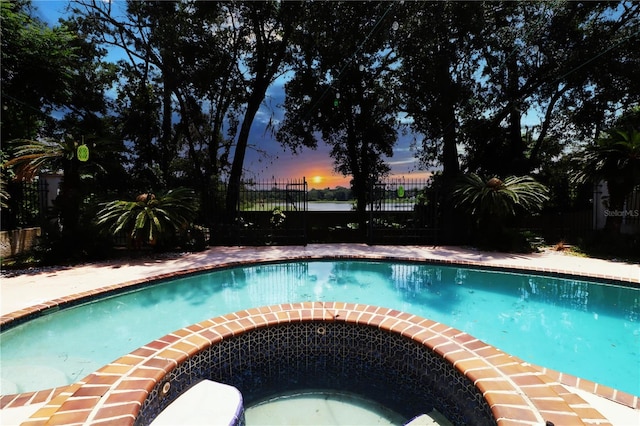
273 212
403 211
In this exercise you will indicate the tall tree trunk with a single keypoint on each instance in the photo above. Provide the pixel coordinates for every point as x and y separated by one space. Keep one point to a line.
363 184
516 164
166 151
235 176
450 163
69 198
534 160
268 58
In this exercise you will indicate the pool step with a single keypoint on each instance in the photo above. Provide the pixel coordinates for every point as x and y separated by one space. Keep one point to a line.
434 418
205 403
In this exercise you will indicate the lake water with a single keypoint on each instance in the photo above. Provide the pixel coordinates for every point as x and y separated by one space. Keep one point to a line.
342 206
330 207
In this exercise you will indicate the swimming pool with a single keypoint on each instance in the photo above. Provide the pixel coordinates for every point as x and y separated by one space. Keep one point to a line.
567 325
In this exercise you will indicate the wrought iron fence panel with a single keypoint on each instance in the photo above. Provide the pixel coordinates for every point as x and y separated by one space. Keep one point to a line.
403 211
288 195
271 212
631 211
27 204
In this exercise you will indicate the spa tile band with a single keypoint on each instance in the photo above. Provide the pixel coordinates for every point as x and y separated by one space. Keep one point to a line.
514 392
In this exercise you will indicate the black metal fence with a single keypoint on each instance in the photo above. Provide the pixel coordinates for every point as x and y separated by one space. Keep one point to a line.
403 211
268 212
26 205
631 212
399 211
286 195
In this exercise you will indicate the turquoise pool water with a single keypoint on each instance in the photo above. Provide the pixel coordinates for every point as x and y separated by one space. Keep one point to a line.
585 329
317 408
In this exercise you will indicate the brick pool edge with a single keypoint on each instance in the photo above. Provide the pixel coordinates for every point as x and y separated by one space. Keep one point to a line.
516 392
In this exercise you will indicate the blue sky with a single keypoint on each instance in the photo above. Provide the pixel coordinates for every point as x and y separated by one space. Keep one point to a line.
315 165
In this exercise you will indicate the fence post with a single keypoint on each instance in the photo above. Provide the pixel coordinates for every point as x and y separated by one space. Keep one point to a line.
43 192
597 193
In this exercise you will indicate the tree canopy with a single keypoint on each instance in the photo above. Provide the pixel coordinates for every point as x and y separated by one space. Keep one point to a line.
494 88
37 71
343 91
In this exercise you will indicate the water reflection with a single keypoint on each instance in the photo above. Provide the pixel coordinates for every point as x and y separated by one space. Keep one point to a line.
570 319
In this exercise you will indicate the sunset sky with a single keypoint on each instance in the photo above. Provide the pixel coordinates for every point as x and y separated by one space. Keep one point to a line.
315 165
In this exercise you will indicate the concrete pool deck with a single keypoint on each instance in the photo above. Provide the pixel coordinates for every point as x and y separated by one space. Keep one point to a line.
20 293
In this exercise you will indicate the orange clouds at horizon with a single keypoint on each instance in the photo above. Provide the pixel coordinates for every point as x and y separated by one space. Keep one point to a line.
319 177
317 168
325 180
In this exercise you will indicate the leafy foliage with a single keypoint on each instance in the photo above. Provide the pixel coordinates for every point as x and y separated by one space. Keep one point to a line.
494 198
31 157
463 76
150 219
343 91
4 194
37 70
277 217
614 158
564 67
490 203
436 45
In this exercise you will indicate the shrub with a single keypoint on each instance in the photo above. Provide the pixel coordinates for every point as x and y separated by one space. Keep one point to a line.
150 219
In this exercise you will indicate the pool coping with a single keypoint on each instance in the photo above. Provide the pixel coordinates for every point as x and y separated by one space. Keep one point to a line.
43 396
516 392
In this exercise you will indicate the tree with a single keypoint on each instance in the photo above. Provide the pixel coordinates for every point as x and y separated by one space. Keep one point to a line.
55 69
207 64
150 219
37 70
30 158
491 202
493 87
343 91
267 28
144 103
436 45
614 158
179 88
567 68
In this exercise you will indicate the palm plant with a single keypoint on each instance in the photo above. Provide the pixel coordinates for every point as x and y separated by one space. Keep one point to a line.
4 177
614 158
490 202
4 194
150 218
499 199
30 157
